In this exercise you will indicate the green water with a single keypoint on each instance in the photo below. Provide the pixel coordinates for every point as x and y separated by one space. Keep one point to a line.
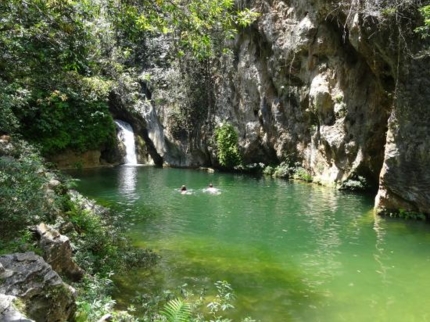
291 251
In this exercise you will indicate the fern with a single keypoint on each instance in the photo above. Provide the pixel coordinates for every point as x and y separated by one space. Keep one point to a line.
177 311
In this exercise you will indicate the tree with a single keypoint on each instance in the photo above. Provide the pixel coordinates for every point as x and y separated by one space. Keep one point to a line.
60 59
47 65
196 26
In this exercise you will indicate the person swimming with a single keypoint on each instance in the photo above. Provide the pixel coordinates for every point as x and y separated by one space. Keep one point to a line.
211 189
183 190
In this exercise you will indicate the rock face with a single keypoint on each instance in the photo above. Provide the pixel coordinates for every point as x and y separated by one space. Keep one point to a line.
74 160
337 86
9 311
303 92
41 290
58 252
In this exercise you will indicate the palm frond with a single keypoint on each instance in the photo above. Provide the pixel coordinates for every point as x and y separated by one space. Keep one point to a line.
177 310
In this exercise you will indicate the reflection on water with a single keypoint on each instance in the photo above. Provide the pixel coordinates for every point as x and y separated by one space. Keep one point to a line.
292 252
127 180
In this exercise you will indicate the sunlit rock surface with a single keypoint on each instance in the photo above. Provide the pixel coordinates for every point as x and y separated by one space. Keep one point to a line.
45 296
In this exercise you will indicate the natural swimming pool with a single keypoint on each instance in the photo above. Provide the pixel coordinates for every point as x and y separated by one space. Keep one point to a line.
291 251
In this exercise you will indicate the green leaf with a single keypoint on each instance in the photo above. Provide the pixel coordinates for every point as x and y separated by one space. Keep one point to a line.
177 311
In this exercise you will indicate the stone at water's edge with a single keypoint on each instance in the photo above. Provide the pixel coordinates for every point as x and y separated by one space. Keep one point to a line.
45 296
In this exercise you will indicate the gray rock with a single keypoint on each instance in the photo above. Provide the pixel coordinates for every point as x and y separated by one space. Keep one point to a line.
9 311
45 296
58 252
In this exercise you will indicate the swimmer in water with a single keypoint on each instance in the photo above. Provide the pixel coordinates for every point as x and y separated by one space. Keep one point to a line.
183 189
211 189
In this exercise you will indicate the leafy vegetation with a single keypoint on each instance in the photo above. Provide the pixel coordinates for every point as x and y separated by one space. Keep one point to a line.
408 214
301 173
356 183
31 194
47 68
60 59
185 305
60 62
198 27
24 196
227 144
177 311
424 30
288 170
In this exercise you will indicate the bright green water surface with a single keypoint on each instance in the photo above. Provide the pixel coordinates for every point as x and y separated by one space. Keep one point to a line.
291 251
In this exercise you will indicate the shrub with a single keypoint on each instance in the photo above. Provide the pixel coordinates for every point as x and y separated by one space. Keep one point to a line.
227 144
355 183
24 199
268 171
301 173
282 171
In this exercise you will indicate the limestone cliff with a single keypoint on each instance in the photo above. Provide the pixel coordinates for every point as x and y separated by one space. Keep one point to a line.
337 86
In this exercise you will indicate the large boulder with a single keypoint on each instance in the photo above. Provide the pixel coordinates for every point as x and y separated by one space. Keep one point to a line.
44 295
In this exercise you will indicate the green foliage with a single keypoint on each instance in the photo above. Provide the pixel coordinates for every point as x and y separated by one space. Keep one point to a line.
282 171
199 27
100 241
188 306
74 116
22 241
408 215
227 144
94 300
24 199
222 300
177 310
47 86
11 95
356 183
425 29
301 173
387 12
269 170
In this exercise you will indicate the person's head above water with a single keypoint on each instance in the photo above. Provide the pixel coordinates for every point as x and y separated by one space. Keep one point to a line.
210 185
183 188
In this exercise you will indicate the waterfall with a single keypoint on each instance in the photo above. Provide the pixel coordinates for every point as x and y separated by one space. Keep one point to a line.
126 135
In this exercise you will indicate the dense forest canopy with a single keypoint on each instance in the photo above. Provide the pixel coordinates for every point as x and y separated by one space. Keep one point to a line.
60 59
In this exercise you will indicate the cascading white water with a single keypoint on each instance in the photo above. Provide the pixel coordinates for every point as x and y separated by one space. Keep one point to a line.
126 135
